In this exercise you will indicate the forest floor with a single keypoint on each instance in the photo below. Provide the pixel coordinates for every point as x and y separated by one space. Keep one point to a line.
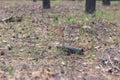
29 36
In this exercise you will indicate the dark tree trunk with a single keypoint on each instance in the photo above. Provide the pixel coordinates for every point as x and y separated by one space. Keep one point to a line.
46 4
90 6
34 0
106 2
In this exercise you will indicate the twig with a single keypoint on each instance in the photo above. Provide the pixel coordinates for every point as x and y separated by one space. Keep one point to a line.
6 19
111 62
11 19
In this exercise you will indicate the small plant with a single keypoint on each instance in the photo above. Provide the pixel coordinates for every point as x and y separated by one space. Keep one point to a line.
91 56
55 18
107 15
9 69
70 19
97 14
103 14
81 31
85 19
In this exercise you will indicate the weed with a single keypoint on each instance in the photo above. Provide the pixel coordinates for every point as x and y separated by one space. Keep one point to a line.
9 69
107 16
91 56
116 14
97 13
103 15
80 34
85 19
70 19
56 19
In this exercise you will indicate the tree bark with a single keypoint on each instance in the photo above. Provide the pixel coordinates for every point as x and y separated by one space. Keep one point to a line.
106 2
90 6
34 0
46 4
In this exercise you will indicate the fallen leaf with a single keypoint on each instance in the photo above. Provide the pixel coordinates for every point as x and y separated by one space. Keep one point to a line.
36 74
58 32
50 73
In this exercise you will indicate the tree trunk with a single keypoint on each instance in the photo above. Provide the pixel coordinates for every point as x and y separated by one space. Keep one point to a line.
46 4
106 2
90 6
34 0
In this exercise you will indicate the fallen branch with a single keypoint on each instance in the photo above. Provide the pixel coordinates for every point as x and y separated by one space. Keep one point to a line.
112 63
6 19
11 19
71 49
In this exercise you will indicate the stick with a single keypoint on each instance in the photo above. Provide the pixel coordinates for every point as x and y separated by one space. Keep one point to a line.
11 19
71 49
111 62
6 19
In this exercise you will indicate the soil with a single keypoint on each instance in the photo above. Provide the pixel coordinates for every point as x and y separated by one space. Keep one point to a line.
28 46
